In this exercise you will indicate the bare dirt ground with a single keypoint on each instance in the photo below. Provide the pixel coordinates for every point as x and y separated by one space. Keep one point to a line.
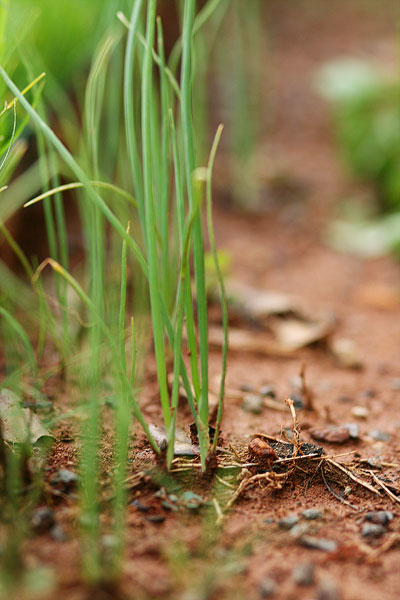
250 555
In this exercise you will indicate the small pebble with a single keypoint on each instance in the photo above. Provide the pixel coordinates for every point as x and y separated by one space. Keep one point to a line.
379 436
369 393
268 391
247 387
169 506
267 588
347 491
380 517
155 518
139 505
360 412
303 574
346 353
42 519
354 430
298 401
395 383
372 530
109 541
345 399
288 432
269 521
288 522
65 480
58 534
253 403
336 434
328 590
299 530
312 513
296 382
319 543
374 463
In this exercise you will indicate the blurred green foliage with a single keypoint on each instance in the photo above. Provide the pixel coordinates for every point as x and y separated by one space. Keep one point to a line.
65 33
367 119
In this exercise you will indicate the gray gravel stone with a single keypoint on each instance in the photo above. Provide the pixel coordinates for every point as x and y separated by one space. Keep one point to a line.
288 522
268 587
372 530
379 436
253 403
303 573
65 480
328 590
42 519
298 401
312 514
268 391
354 430
319 543
380 517
58 534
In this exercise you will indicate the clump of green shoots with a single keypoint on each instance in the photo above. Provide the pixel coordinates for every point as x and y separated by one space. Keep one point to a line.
153 209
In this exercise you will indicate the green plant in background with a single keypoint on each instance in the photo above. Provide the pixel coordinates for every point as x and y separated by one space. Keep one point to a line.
160 150
367 120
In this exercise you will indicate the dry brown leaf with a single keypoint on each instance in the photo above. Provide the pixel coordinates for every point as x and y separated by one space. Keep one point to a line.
295 333
19 425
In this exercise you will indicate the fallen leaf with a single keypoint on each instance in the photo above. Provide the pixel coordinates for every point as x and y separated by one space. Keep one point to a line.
19 425
243 340
259 304
285 324
295 333
345 353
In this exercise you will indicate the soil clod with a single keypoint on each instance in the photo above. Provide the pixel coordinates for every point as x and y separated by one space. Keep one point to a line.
336 434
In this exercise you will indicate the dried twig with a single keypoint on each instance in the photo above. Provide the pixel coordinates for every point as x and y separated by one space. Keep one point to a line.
270 477
384 487
305 390
391 541
220 516
332 491
350 474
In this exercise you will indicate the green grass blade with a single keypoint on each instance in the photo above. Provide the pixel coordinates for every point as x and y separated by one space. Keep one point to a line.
75 185
198 246
165 164
76 169
224 303
150 230
107 334
180 206
129 108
